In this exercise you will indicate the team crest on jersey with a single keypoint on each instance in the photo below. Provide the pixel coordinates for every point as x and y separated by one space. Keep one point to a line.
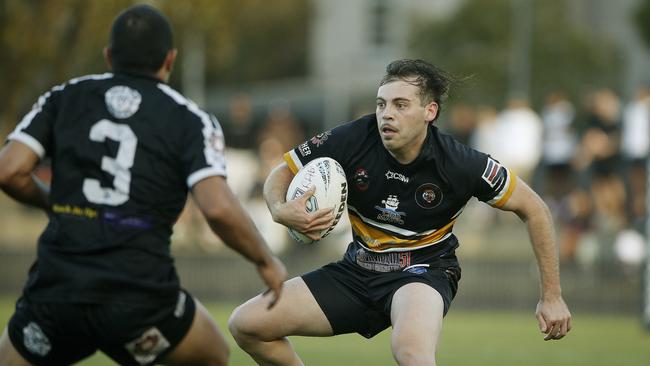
361 179
493 173
122 101
320 139
389 212
428 196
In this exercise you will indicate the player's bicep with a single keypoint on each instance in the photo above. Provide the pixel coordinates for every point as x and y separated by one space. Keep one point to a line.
522 200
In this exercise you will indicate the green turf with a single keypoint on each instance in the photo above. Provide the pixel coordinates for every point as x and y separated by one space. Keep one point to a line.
469 338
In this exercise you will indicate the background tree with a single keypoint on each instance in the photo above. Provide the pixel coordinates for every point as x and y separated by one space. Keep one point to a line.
475 45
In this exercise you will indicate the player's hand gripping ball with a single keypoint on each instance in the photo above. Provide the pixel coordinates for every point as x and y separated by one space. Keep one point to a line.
331 191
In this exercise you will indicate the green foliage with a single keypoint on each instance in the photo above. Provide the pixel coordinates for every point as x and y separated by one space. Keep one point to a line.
642 20
475 45
45 43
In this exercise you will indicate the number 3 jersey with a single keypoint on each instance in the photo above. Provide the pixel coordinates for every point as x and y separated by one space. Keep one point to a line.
403 215
124 149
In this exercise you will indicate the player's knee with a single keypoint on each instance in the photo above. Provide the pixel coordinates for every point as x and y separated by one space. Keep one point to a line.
413 356
242 326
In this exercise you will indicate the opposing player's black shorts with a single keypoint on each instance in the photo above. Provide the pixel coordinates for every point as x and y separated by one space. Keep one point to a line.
355 299
62 334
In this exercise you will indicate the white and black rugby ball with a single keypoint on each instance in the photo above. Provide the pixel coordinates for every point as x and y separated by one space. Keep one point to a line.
331 191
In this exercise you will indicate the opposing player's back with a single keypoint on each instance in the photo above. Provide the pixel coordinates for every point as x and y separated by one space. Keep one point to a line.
126 148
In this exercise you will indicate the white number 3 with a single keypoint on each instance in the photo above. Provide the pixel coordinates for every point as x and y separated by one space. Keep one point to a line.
119 166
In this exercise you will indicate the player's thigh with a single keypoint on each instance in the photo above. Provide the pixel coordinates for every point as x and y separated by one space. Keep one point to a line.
8 354
416 315
204 344
295 313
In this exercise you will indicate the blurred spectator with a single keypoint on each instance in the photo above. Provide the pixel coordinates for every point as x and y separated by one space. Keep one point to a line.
462 122
240 125
558 148
520 138
486 135
635 147
600 160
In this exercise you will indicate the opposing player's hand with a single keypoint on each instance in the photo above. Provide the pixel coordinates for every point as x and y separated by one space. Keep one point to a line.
294 215
274 274
554 318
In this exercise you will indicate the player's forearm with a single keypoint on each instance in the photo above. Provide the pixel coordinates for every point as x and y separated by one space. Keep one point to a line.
542 235
28 189
275 188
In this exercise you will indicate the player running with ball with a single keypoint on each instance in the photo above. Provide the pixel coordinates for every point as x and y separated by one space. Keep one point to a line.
408 183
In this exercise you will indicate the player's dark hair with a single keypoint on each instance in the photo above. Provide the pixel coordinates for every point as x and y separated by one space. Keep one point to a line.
432 81
140 38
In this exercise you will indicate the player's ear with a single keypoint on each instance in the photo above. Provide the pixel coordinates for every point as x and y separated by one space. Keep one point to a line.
170 59
431 111
107 56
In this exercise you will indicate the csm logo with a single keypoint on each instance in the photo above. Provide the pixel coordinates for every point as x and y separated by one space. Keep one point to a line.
392 175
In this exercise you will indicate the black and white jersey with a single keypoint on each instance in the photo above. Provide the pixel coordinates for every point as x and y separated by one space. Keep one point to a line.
404 208
125 149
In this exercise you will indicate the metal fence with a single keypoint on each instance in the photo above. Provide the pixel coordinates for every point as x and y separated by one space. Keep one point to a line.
507 284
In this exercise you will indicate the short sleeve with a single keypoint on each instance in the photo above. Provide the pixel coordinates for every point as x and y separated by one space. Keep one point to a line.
35 129
204 150
495 183
336 144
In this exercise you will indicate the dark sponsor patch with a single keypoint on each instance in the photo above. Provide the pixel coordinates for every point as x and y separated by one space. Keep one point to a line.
361 179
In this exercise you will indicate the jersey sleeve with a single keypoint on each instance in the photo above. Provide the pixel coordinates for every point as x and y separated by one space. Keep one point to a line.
495 183
35 129
204 154
332 143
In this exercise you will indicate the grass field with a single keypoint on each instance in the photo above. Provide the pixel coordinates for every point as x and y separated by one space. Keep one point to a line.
469 338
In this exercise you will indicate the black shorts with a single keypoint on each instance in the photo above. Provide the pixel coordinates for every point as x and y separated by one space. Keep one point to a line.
355 299
62 334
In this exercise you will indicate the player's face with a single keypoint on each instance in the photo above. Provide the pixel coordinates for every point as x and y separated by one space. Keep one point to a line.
402 120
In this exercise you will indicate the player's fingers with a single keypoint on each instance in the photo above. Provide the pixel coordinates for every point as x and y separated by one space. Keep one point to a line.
308 193
553 331
323 212
542 323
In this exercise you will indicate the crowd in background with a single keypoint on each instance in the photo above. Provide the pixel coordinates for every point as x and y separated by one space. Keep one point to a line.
587 161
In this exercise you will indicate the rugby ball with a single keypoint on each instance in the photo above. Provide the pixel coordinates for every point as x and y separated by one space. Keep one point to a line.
331 191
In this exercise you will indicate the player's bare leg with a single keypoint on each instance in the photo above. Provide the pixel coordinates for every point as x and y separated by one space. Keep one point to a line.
416 315
262 333
203 344
8 354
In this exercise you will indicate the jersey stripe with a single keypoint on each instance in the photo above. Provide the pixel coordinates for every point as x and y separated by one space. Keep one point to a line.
217 166
506 191
387 227
379 241
292 160
27 139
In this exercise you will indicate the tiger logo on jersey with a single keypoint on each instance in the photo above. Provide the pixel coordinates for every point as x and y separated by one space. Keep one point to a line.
428 196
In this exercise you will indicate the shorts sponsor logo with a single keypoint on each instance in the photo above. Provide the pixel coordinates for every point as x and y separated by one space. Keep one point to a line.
428 196
35 340
321 138
392 175
122 101
148 346
304 149
361 179
383 262
389 212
